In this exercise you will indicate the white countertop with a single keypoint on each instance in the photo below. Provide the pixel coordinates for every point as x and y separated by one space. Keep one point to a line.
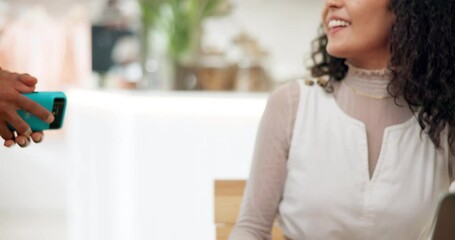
144 163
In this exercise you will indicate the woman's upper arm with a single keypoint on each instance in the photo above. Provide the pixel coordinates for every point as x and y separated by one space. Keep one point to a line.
452 167
269 167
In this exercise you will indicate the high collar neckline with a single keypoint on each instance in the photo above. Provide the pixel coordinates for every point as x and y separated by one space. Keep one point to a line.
383 73
372 83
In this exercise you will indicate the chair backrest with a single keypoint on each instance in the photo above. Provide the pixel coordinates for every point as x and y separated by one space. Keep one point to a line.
445 224
228 198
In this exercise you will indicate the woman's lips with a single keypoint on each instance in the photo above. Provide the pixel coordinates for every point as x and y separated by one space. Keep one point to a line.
336 29
336 24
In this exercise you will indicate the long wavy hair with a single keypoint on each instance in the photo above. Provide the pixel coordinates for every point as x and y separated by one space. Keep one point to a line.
422 63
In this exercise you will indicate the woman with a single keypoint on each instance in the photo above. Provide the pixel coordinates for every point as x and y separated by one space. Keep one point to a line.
369 155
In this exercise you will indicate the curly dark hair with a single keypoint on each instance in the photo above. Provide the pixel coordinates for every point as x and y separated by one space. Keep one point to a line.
422 63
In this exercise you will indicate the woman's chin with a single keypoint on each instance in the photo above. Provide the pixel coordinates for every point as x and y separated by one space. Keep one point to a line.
337 52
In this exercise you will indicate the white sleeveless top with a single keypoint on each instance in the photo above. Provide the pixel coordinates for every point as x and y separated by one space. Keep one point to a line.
328 193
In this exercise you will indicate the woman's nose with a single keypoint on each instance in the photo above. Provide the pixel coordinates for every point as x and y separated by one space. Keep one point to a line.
334 3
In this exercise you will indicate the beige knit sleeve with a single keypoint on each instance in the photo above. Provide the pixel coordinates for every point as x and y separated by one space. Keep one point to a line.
269 167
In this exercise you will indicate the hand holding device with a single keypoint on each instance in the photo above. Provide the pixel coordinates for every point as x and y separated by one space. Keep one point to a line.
55 102
11 99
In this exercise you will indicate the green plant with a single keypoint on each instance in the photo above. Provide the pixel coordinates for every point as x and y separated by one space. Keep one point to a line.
182 21
150 10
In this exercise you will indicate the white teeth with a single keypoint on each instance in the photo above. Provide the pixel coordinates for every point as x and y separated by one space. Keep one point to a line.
338 23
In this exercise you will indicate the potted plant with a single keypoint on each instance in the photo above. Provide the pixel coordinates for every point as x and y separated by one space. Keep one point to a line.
181 23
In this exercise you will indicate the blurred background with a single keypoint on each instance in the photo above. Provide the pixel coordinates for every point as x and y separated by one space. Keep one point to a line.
164 99
226 45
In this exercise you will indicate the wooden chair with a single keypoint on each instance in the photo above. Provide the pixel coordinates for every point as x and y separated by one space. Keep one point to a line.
228 198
